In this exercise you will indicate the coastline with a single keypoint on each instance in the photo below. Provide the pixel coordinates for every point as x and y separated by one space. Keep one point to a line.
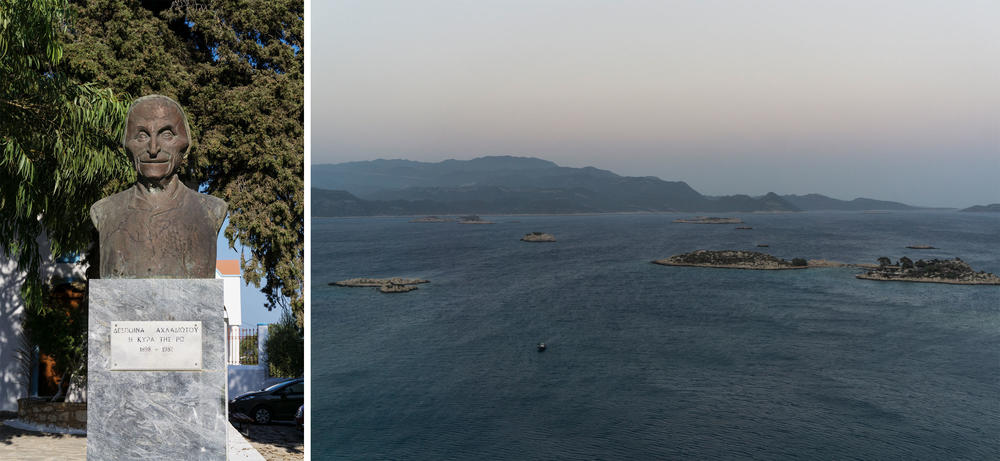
924 280
664 262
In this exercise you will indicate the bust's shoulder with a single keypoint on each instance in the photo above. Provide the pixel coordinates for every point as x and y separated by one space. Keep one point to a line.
216 207
104 207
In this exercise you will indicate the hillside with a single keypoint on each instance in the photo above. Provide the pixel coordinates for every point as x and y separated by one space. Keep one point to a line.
507 185
526 185
991 208
822 202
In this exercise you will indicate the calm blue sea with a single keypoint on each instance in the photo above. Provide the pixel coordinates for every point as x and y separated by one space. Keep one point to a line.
648 361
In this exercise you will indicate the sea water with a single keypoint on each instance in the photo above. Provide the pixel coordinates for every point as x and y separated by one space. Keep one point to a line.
647 361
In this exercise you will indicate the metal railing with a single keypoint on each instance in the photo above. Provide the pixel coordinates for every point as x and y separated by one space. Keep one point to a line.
242 346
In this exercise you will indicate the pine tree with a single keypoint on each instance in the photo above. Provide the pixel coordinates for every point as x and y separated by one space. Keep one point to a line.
236 66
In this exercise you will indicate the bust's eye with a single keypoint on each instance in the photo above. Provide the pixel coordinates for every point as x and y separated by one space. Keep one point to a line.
142 136
168 135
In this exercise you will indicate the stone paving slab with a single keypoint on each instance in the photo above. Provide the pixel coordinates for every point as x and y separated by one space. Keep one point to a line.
278 441
37 446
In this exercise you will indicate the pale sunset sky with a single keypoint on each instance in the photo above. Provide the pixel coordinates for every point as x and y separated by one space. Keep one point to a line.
894 100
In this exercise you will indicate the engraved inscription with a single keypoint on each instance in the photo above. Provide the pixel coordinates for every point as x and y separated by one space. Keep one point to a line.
166 345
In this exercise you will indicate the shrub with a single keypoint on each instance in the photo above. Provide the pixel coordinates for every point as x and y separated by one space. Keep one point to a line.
799 262
906 263
285 346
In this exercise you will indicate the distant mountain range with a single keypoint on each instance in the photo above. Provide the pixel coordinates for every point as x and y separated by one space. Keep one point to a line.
524 185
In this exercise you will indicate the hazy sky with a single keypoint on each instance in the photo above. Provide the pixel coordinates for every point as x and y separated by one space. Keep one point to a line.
897 100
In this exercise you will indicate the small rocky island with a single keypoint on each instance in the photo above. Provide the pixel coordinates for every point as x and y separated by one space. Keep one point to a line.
921 247
732 259
390 285
538 237
709 220
433 219
472 219
953 271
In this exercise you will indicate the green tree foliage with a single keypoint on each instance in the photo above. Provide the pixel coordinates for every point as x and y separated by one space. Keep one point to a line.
905 263
58 141
285 348
236 67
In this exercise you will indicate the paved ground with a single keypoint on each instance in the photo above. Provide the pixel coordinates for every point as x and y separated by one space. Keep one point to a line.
36 446
276 442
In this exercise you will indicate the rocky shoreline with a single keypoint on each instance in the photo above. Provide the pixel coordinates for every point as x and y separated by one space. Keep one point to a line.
950 271
390 285
732 259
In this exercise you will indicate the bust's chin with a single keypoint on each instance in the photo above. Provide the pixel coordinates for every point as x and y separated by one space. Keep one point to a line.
155 171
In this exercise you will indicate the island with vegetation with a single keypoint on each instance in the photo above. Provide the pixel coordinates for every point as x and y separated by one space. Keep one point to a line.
538 237
433 219
390 285
732 259
921 247
709 220
953 271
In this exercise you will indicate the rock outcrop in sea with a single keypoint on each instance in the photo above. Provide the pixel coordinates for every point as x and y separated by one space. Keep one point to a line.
434 219
473 219
390 285
709 220
953 271
538 237
732 259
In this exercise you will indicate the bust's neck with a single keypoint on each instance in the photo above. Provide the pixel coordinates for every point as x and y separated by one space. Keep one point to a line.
156 190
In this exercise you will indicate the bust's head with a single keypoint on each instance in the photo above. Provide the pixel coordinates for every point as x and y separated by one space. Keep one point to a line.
156 137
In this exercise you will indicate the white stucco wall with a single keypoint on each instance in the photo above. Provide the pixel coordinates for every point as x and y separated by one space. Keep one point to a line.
13 383
231 293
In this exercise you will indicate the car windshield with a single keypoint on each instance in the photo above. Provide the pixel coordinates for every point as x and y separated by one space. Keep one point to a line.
276 386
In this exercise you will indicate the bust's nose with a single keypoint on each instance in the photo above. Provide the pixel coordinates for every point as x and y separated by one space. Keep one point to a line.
154 147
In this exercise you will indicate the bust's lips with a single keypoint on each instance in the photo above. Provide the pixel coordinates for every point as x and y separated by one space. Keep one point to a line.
154 161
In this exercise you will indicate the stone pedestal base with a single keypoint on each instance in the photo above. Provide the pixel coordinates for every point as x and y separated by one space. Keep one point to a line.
156 414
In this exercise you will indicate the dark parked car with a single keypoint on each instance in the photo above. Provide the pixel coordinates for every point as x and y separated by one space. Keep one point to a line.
277 402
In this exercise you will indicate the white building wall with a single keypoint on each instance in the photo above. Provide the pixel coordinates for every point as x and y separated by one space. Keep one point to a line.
231 293
13 383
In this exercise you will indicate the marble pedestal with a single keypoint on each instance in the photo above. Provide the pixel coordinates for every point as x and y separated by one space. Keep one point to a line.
156 414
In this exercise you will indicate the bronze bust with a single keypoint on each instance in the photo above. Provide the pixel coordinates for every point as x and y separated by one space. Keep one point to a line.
158 228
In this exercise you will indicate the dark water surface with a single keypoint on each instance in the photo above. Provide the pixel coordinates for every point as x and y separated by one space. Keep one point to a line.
648 361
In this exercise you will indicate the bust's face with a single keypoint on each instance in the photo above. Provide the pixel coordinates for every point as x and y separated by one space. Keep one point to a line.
156 139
